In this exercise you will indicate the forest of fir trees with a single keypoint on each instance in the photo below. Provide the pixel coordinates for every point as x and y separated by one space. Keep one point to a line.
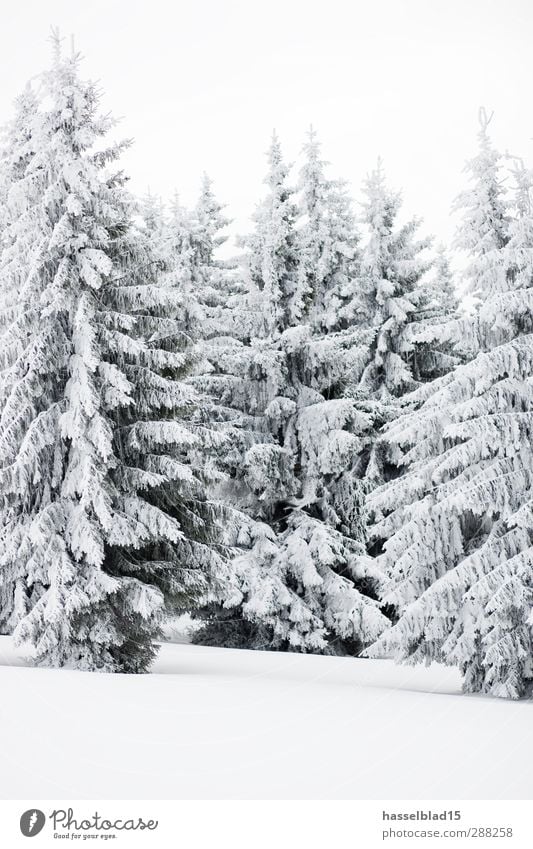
311 447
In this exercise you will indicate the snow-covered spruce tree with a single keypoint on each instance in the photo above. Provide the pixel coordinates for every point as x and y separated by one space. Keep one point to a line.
103 522
178 251
217 280
385 297
187 243
425 340
327 273
18 146
444 298
152 214
391 270
458 524
306 583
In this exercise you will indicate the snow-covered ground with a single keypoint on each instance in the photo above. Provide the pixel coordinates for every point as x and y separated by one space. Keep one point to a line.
218 723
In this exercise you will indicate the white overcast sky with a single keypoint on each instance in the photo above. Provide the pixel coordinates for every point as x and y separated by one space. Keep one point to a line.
200 86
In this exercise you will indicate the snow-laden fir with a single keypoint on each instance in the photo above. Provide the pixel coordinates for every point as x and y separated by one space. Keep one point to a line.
458 521
106 527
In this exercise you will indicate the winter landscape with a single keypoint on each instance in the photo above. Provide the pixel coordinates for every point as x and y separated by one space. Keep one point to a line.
310 442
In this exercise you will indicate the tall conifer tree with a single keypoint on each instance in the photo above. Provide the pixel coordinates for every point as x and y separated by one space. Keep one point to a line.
457 524
104 525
